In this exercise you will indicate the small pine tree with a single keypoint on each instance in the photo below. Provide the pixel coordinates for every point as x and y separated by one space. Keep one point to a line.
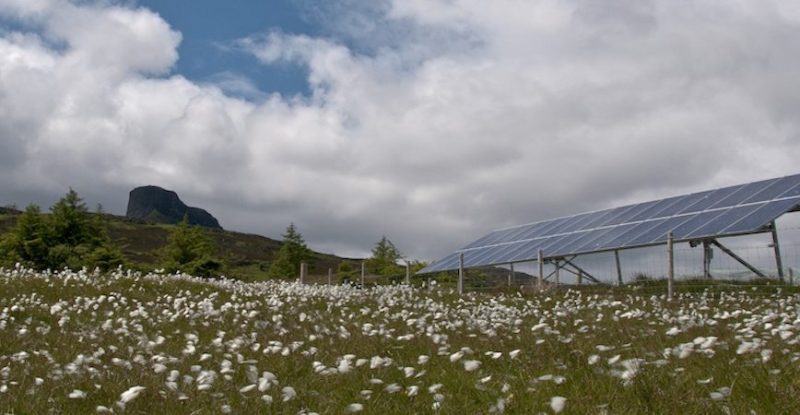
29 242
384 258
70 221
190 250
294 251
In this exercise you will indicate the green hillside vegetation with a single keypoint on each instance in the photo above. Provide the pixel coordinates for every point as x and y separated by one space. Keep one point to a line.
246 257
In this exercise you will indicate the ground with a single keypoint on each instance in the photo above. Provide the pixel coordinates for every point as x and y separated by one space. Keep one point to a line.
127 342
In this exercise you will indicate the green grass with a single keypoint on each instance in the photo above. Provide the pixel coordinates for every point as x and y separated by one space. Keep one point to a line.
111 341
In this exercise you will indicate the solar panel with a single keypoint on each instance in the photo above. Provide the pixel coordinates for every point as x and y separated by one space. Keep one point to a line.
734 210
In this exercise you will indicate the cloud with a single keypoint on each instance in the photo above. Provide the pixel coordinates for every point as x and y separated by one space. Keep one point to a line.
436 122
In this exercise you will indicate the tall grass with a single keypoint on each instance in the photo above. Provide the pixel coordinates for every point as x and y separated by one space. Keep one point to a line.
613 351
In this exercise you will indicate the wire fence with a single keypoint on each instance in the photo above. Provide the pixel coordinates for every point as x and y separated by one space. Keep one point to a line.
641 266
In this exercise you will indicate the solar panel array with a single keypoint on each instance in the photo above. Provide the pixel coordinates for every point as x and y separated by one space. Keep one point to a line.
736 210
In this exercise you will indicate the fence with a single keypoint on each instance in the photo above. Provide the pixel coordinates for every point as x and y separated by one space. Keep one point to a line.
637 266
643 265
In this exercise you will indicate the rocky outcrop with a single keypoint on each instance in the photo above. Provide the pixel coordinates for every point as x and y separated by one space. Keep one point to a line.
154 204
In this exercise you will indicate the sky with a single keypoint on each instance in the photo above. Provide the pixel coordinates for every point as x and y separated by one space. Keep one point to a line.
431 122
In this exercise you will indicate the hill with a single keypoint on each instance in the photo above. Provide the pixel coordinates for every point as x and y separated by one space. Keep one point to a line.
157 205
247 255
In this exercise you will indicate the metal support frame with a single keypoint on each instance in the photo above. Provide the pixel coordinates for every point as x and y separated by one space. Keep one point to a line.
363 272
670 266
580 270
708 253
558 276
540 281
737 258
619 268
461 273
510 274
777 247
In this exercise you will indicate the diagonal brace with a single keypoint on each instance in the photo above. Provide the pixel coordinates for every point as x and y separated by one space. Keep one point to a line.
585 274
737 258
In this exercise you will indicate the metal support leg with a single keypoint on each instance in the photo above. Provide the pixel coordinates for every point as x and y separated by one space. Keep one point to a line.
540 281
777 248
707 254
558 267
461 273
619 269
510 274
670 266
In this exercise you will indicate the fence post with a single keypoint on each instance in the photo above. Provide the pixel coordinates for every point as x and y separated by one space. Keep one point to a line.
363 272
408 273
540 281
670 266
330 274
303 272
461 273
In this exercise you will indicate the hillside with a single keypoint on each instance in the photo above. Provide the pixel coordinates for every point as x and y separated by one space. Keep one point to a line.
247 255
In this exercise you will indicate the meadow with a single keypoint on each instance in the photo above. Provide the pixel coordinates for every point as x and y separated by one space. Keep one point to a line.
125 342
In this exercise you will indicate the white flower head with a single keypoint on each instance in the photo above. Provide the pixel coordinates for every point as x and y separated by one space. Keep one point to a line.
557 403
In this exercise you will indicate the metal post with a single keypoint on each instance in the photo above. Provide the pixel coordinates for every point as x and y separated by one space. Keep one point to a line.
707 252
670 266
363 272
511 274
558 279
777 248
580 277
461 273
330 275
619 269
408 273
540 281
791 276
302 272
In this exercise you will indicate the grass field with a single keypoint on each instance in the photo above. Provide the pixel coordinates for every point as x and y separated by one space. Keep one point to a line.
132 343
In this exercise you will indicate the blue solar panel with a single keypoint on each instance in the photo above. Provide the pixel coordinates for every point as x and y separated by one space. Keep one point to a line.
734 210
590 244
762 216
643 233
688 200
774 190
745 192
580 220
718 224
654 210
710 199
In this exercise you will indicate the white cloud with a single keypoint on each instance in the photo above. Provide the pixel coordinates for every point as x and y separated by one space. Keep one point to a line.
482 117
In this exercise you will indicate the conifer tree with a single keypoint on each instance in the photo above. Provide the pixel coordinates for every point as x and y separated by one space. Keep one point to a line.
288 258
384 258
190 250
68 237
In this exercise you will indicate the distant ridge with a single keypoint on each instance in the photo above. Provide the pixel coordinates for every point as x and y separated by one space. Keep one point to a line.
158 205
